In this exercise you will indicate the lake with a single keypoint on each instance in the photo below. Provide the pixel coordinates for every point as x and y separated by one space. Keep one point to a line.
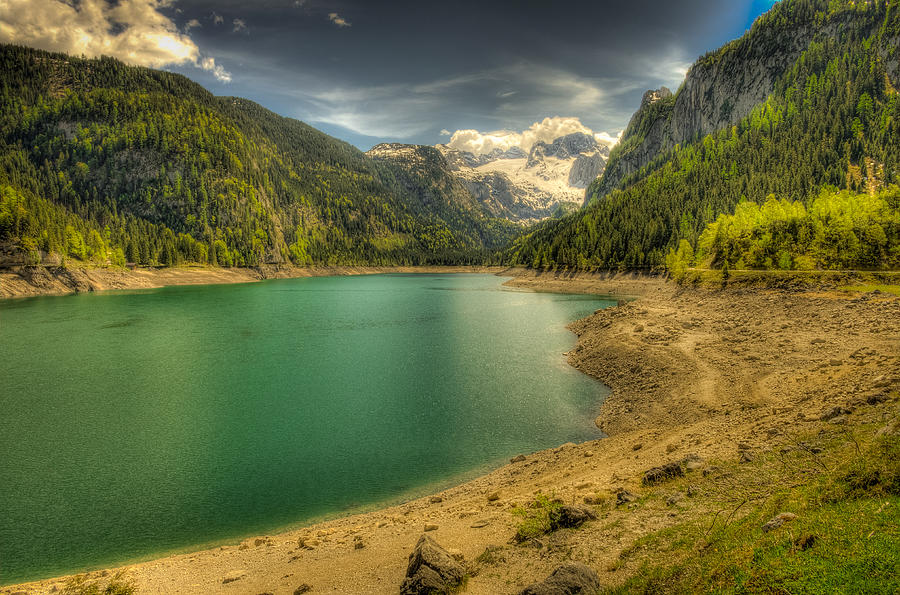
136 424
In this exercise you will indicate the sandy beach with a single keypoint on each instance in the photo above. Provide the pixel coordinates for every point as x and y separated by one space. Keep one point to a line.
699 374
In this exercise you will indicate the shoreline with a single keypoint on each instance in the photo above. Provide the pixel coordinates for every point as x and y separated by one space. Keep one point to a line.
23 282
693 372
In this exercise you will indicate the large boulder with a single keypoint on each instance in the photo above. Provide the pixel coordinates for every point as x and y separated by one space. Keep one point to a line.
431 570
569 579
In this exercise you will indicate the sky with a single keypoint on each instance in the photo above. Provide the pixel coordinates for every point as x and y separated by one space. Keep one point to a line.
477 74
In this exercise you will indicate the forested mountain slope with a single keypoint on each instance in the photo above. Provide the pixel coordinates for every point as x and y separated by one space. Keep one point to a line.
832 118
104 162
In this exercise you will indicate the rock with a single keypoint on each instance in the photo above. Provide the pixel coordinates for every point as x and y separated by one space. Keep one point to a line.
304 588
834 412
493 497
234 575
569 517
637 446
431 569
435 499
661 474
779 520
745 457
479 524
568 579
431 527
623 496
670 448
594 500
674 499
692 466
259 541
517 459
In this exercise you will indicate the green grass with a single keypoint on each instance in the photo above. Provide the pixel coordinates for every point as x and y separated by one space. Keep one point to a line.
894 289
845 539
535 517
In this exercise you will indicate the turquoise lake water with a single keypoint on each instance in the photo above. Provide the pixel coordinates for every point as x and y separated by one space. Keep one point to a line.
135 424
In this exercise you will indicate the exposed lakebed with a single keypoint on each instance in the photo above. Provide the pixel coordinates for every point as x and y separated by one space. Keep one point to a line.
139 423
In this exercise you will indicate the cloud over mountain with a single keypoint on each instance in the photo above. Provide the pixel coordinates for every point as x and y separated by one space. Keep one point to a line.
546 131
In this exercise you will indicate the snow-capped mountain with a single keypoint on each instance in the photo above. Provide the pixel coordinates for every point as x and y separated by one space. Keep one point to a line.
535 185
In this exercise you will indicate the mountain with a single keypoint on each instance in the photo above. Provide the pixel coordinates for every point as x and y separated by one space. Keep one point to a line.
805 100
110 163
549 179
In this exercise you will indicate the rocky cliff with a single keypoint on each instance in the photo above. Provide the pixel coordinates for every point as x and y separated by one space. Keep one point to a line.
722 87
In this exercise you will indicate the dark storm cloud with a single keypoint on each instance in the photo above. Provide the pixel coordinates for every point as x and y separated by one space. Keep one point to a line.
368 71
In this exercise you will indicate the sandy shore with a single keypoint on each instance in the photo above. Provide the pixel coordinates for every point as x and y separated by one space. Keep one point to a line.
708 373
35 281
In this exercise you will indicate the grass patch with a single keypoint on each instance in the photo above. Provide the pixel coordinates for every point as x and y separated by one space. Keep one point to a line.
894 289
845 537
535 517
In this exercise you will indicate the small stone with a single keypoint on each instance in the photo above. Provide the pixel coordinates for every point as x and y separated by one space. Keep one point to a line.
436 499
358 545
778 520
258 541
691 466
234 575
493 497
671 448
637 446
805 542
594 500
479 524
304 588
623 496
834 412
588 454
745 457
431 527
517 459
674 499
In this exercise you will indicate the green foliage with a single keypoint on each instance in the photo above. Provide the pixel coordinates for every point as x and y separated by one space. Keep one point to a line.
100 160
831 121
536 517
838 230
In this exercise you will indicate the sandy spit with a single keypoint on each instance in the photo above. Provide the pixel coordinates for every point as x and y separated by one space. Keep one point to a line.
692 371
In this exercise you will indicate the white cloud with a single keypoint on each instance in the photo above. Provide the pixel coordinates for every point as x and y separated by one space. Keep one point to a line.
445 132
135 31
338 19
239 25
217 19
191 24
546 131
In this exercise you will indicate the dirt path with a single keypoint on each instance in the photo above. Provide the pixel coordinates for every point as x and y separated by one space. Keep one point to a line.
693 372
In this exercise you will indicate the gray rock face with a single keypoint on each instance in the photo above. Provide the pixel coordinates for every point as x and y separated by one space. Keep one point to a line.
568 579
563 147
586 169
431 570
